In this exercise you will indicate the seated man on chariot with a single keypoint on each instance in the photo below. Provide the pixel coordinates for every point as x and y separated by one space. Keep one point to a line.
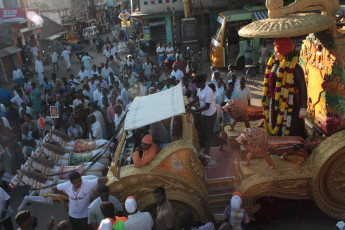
145 153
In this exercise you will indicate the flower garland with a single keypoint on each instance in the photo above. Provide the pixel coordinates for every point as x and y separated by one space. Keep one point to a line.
282 94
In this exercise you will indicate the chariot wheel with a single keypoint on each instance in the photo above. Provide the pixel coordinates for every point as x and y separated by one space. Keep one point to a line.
328 180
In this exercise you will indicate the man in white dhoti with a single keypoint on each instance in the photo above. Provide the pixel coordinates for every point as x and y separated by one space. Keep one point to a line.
39 70
66 54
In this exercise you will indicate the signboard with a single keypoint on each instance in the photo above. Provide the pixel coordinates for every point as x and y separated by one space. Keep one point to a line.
124 15
159 23
125 23
12 15
147 32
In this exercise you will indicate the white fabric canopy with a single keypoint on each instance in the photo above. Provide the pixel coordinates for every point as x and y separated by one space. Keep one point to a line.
155 107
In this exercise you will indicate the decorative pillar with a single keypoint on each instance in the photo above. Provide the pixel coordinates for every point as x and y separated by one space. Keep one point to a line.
168 29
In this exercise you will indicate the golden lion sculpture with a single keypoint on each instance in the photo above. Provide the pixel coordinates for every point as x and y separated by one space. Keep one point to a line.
260 145
242 112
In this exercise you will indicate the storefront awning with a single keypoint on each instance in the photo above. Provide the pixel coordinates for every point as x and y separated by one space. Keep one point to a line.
69 23
53 37
259 15
9 51
155 107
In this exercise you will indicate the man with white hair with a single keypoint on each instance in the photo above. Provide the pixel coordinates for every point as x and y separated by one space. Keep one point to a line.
137 220
237 216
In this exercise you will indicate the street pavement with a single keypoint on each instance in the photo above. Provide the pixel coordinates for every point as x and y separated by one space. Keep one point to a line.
314 219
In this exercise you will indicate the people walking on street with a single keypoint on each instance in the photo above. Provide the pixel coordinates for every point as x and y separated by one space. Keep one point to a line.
66 55
18 76
55 60
160 52
34 52
264 55
90 37
86 60
39 69
248 51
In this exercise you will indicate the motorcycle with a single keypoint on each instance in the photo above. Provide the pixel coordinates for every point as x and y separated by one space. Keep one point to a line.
46 59
99 44
195 58
79 54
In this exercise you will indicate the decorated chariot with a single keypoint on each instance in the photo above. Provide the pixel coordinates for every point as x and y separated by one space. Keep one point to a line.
315 168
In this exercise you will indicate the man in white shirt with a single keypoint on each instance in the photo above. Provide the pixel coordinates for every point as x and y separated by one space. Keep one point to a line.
79 192
95 132
125 94
66 55
169 50
205 97
18 77
106 71
93 71
87 92
243 92
99 118
5 210
18 99
147 67
97 94
39 70
74 82
106 53
34 52
86 60
130 61
131 78
137 220
83 73
112 49
55 60
178 74
119 113
94 211
160 51
236 84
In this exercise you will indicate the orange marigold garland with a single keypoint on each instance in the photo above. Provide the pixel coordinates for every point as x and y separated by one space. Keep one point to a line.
283 95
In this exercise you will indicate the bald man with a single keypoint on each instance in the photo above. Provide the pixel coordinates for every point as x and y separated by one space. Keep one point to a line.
145 153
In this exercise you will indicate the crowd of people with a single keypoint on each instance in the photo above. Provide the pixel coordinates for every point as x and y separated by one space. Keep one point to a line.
91 104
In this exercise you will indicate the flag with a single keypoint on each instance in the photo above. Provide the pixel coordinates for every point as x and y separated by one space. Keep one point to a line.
41 123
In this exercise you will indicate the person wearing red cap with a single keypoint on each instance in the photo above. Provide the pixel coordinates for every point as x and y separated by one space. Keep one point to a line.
145 153
237 216
285 92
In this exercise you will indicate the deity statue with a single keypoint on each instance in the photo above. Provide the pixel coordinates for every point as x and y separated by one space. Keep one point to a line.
285 93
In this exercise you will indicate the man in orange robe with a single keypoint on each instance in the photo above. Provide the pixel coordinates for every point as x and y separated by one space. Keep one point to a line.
145 153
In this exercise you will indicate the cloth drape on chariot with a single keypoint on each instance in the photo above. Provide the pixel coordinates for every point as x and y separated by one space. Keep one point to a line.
78 158
81 145
64 168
